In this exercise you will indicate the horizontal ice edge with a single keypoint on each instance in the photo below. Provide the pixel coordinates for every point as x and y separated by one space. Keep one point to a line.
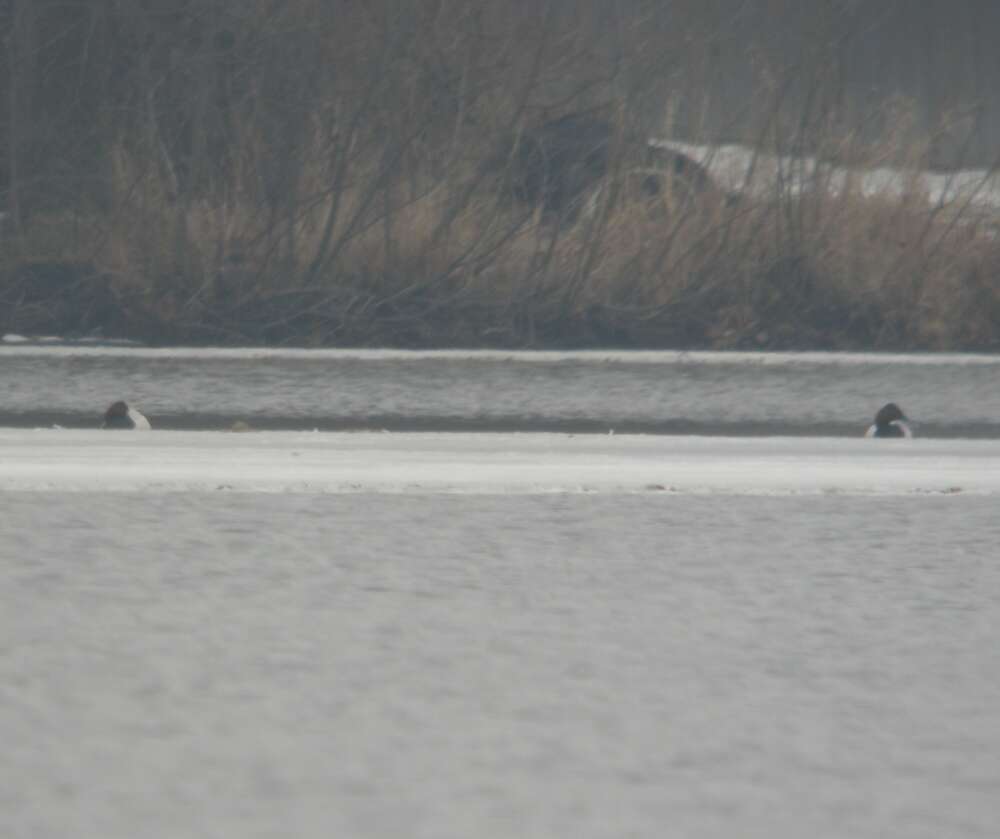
58 460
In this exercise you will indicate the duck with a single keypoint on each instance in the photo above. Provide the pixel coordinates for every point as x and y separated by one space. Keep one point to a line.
890 421
120 416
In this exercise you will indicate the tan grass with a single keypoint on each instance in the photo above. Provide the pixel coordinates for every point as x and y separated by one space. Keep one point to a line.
805 270
397 238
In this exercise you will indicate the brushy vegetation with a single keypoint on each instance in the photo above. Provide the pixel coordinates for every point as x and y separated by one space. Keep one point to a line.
340 173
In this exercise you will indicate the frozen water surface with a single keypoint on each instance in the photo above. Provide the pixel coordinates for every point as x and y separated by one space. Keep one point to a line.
382 462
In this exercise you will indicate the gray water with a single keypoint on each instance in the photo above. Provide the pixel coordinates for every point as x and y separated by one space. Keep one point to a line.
674 393
661 664
217 665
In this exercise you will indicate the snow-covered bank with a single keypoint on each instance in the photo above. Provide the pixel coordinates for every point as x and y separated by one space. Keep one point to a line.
488 463
744 170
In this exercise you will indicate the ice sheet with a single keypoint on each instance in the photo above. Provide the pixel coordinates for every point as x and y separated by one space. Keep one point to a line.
489 463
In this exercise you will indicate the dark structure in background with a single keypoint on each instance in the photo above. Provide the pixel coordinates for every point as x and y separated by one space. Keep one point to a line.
559 165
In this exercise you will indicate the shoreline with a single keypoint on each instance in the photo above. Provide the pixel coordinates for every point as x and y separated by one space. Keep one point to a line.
55 346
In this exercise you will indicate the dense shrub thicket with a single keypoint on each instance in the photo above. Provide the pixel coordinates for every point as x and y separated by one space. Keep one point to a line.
469 172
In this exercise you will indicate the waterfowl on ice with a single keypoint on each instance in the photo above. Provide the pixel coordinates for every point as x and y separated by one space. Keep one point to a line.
120 416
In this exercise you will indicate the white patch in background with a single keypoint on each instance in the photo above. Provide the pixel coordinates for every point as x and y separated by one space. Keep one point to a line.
744 170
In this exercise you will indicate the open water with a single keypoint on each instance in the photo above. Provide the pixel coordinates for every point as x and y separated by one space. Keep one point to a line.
647 392
437 635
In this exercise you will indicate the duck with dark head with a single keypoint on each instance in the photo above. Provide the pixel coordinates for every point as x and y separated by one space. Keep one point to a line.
890 421
120 416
